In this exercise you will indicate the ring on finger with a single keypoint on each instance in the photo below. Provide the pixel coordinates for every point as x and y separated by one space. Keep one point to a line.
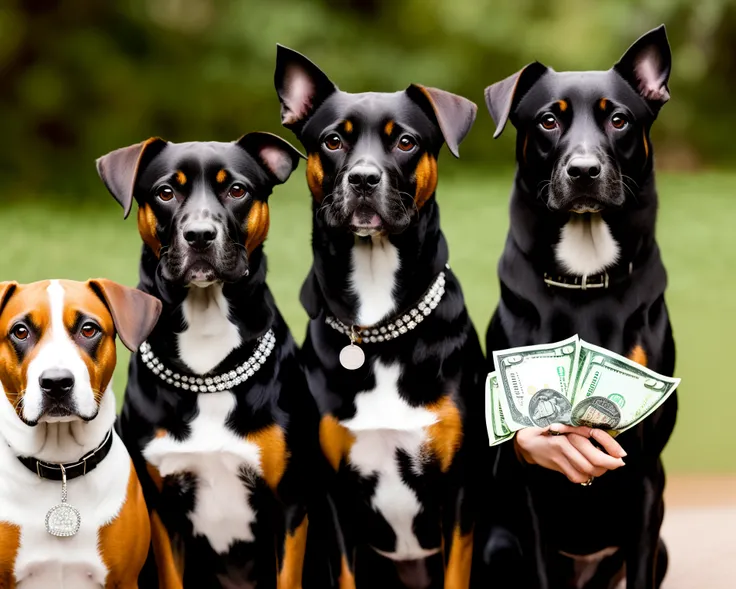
588 482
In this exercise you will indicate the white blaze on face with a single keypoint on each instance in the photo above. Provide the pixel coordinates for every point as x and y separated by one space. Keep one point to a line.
58 351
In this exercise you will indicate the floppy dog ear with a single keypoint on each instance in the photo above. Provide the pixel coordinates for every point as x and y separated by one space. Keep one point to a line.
503 97
455 114
6 291
301 87
646 66
119 169
134 312
278 157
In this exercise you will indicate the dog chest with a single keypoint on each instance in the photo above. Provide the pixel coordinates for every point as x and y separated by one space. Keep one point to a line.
219 459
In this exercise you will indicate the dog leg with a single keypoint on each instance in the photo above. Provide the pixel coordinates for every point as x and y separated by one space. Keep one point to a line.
642 551
293 548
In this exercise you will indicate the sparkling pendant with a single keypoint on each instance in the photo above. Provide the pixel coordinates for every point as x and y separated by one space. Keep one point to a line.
352 357
63 520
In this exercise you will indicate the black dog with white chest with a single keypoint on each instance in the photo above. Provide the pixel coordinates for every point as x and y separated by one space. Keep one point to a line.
390 353
581 257
217 414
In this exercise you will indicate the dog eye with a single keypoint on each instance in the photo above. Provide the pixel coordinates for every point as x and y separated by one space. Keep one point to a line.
549 122
619 121
20 332
237 191
333 142
165 193
406 143
89 330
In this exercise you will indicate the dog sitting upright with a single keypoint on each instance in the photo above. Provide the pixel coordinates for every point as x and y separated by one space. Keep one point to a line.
217 413
390 354
581 257
72 513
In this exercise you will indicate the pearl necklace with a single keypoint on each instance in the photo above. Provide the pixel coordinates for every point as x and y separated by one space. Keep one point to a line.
211 384
352 357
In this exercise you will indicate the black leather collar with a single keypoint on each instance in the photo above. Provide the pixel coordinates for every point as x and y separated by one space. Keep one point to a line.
602 280
53 471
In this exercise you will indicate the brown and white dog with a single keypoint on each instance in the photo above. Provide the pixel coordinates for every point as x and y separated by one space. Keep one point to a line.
57 357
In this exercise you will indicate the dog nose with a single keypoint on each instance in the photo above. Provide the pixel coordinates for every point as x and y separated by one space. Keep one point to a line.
56 382
364 177
584 168
200 239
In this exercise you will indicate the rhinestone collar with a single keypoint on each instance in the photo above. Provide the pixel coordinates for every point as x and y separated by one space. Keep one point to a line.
211 384
352 357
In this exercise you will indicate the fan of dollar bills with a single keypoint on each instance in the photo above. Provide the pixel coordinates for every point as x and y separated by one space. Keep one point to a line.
570 382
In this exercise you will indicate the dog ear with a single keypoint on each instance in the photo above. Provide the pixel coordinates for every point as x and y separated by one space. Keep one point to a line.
134 312
301 87
646 66
6 291
275 155
119 169
455 114
503 97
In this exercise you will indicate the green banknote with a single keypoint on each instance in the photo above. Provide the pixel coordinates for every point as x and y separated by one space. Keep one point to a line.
536 383
613 392
497 430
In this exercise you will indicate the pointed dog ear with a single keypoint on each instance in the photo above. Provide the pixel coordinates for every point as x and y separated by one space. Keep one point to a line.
302 87
134 312
275 155
503 97
6 291
119 169
455 115
646 66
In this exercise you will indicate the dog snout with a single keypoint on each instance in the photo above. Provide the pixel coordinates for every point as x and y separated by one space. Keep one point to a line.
364 177
583 168
200 238
56 382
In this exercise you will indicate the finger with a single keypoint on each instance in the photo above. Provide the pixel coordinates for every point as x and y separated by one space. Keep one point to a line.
565 467
578 461
597 458
609 444
562 428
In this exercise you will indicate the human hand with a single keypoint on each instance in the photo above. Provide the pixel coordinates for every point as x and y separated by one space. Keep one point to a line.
569 450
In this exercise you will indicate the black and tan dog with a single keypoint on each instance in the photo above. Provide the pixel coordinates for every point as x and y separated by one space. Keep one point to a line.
217 414
581 257
400 406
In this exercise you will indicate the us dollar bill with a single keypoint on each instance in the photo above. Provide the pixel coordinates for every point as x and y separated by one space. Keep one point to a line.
498 432
536 383
613 392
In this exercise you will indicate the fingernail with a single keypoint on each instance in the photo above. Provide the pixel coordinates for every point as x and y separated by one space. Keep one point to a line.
623 453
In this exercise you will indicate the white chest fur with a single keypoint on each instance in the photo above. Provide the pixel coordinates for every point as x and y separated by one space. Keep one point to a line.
373 278
384 423
586 245
43 560
218 458
209 336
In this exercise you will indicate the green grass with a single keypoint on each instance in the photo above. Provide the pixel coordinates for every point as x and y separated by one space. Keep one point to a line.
46 238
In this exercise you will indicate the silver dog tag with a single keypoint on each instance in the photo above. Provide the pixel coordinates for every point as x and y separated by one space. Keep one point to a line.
352 357
63 520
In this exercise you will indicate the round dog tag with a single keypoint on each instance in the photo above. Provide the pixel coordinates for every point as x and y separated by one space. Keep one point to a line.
63 520
352 357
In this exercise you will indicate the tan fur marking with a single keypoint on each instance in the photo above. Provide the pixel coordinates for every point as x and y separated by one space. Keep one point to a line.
457 572
562 104
348 126
274 454
389 128
155 475
426 175
315 176
125 541
646 143
181 177
603 103
170 564
335 440
147 228
638 355
347 580
221 176
257 224
446 434
9 545
290 575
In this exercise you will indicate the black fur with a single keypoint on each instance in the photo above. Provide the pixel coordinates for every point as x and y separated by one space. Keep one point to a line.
545 514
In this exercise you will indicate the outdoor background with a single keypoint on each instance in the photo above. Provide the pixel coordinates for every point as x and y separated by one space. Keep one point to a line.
79 78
